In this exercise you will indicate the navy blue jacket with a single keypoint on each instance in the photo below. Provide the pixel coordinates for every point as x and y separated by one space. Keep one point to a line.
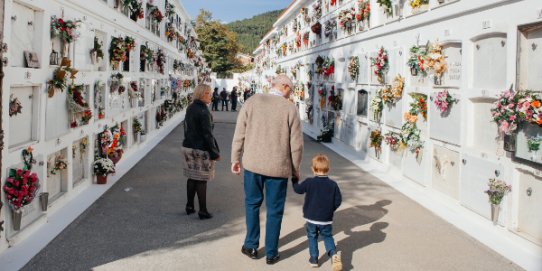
322 198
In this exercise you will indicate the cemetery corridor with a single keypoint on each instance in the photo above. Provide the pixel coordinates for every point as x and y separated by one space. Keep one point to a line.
140 224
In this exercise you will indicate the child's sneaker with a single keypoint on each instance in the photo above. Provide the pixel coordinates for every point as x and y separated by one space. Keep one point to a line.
336 263
313 261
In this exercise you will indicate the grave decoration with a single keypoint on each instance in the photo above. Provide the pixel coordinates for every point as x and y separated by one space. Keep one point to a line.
436 62
444 101
58 164
96 52
375 141
418 105
364 12
317 10
66 30
136 9
335 99
15 106
322 92
60 77
380 65
346 19
117 52
392 94
416 62
78 106
416 4
387 6
393 140
353 68
377 106
155 13
410 134
496 192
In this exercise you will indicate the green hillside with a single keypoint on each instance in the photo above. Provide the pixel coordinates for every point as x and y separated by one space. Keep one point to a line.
251 31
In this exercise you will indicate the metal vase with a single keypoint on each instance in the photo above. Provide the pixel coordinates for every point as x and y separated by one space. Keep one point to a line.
413 71
438 80
495 208
17 216
44 201
509 142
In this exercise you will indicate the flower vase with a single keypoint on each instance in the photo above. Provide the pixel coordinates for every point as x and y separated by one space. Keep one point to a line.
17 216
413 71
65 49
138 138
438 80
44 201
495 208
115 65
93 57
509 142
134 16
101 179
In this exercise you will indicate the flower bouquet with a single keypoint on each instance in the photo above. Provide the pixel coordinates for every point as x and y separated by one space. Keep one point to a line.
322 93
353 68
443 101
410 134
155 13
416 4
510 109
419 105
117 52
380 64
317 29
329 28
364 10
393 140
375 141
136 9
496 192
317 9
376 107
346 19
21 187
59 164
65 29
416 62
436 61
387 6
60 77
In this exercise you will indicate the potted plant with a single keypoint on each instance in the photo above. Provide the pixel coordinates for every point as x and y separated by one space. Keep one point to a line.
497 190
102 168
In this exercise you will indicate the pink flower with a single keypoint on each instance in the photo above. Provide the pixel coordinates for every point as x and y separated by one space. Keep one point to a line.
512 118
504 127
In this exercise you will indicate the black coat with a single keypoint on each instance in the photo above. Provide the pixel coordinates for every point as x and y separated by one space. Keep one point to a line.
198 129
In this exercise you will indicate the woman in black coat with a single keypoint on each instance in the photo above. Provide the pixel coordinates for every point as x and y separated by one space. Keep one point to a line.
200 150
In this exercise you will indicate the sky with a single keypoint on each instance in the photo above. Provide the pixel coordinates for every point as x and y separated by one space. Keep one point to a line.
228 11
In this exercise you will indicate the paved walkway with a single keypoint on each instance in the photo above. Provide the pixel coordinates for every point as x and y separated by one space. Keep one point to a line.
140 224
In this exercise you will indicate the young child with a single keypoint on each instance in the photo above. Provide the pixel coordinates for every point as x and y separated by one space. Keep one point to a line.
322 198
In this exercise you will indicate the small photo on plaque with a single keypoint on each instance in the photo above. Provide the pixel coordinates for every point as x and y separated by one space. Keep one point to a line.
32 60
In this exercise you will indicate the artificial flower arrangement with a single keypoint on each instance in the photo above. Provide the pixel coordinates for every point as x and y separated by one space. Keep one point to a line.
353 68
375 141
332 2
329 27
436 61
416 62
135 7
117 51
387 6
513 108
78 105
116 82
419 105
133 92
497 190
364 10
297 40
283 48
346 19
161 60
15 106
306 39
129 43
322 92
22 185
533 143
171 32
377 106
155 13
317 9
60 77
329 67
418 3
393 140
392 94
170 10
317 29
380 64
319 65
443 101
103 166
146 54
410 134
65 29
97 49
335 100
305 14
59 164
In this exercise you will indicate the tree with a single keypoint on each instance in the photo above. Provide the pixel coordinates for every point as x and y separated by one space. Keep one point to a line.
218 44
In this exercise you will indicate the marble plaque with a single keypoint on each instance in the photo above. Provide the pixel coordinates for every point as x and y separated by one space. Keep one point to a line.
445 171
394 114
364 72
453 53
362 102
80 162
416 167
482 133
22 125
530 52
446 126
530 200
56 116
22 35
490 58
475 174
349 101
362 137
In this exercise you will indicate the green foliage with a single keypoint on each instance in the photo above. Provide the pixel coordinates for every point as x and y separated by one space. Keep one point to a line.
218 44
251 31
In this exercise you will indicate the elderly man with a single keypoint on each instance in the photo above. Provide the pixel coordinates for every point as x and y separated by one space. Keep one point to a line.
269 137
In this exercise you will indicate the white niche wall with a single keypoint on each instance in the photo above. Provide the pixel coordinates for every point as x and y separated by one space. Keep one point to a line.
453 52
23 127
80 160
482 132
57 183
445 171
26 34
529 193
56 116
445 127
489 61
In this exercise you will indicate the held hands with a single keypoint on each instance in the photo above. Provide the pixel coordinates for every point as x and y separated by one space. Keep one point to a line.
236 168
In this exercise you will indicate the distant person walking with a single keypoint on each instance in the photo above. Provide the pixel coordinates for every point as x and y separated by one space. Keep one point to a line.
216 99
268 136
233 97
200 150
322 198
224 98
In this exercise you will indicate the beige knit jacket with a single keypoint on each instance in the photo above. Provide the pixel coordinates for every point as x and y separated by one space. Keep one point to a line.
268 136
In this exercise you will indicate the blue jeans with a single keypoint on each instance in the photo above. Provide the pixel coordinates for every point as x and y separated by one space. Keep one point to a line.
326 231
275 196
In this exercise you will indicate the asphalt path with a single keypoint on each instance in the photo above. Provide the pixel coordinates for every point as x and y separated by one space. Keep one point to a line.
140 224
